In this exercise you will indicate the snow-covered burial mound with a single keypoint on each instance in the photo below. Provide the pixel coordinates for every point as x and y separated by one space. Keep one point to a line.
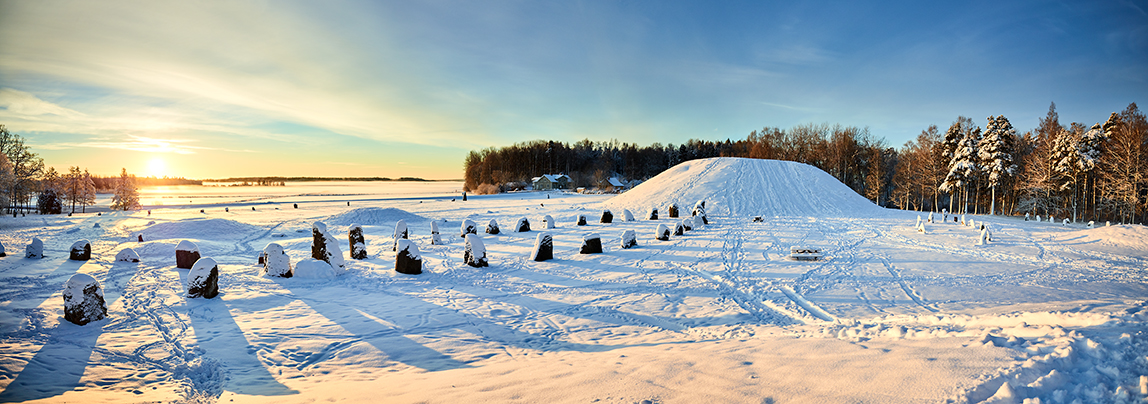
199 227
374 217
746 187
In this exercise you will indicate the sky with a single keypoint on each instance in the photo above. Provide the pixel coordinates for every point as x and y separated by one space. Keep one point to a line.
210 89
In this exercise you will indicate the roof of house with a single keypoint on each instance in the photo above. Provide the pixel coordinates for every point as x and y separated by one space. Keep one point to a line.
551 177
614 181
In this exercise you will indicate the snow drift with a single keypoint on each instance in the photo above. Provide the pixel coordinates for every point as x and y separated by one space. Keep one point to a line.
374 217
183 228
744 187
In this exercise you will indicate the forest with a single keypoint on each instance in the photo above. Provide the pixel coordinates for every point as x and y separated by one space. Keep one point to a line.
1079 171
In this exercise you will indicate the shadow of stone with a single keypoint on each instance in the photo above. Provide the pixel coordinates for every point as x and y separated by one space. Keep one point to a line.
221 338
58 365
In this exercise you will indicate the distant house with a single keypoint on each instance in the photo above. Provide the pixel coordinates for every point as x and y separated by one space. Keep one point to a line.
551 181
613 184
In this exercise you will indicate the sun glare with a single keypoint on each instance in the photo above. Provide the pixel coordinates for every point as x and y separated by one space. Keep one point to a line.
156 168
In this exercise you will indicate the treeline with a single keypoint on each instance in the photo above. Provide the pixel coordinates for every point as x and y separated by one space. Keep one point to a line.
1097 171
107 185
281 180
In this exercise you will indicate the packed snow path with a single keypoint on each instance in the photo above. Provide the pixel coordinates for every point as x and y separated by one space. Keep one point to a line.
719 314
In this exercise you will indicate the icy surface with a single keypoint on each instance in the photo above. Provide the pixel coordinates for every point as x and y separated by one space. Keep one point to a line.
889 315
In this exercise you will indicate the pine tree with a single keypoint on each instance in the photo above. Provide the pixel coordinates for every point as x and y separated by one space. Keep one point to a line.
963 169
87 191
126 196
1090 150
1065 163
995 152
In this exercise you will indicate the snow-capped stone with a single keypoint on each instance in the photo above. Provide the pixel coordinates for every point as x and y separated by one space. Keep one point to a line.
1051 219
629 240
1065 222
1091 224
356 242
400 233
607 217
679 229
127 255
186 253
581 220
543 247
918 222
1038 218
687 224
324 247
276 262
408 260
984 237
2 253
591 244
627 216
522 226
759 219
203 279
700 211
84 300
492 227
1026 217
973 223
662 233
672 211
310 268
652 214
35 249
548 222
81 251
963 221
930 217
921 228
436 238
468 227
475 254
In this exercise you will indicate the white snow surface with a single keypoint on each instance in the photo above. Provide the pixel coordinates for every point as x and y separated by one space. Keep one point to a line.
889 315
743 187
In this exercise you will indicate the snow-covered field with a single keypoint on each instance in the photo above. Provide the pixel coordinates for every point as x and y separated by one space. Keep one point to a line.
720 314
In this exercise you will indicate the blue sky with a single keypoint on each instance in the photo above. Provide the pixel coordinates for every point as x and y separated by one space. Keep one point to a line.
406 88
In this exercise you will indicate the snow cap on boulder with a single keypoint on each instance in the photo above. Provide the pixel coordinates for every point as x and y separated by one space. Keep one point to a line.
310 268
356 241
591 244
548 222
581 220
687 224
662 233
627 215
325 248
492 227
679 229
83 300
275 261
203 279
607 216
2 253
127 255
81 251
408 260
35 249
629 239
475 254
543 247
400 233
522 226
652 214
468 227
436 238
186 253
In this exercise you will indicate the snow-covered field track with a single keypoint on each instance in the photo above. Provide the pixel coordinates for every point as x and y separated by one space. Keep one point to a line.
720 314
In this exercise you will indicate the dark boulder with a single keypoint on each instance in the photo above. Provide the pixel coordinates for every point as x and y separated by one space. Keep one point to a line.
492 227
324 248
186 253
591 244
475 254
81 251
629 240
468 227
276 262
672 211
653 214
581 220
408 260
203 279
543 247
662 233
84 300
607 217
523 225
358 243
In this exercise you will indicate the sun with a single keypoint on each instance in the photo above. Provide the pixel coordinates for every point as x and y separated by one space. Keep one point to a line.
156 167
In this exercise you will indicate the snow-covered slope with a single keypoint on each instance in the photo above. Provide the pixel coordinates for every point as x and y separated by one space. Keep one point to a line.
747 187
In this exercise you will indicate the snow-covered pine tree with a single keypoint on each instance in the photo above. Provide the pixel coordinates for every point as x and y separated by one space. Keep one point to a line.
963 168
996 155
1065 164
87 191
126 196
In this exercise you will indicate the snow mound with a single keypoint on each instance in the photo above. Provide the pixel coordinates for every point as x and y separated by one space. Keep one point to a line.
374 217
200 228
734 186
1122 237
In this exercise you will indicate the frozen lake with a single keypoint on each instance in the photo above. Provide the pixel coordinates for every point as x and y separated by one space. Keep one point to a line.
292 192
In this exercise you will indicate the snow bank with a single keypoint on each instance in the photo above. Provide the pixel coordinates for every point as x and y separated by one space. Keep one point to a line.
1125 237
747 187
311 268
374 217
216 228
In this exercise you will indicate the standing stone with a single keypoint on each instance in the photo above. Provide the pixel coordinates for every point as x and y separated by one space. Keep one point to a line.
141 238
436 239
543 247
475 254
679 229
186 253
759 219
1026 217
203 279
324 248
663 232
81 251
35 249
672 210
408 260
2 253
468 227
700 211
84 300
127 255
653 214
464 196
581 220
492 227
1038 218
931 217
629 239
607 217
591 244
276 262
548 222
627 216
356 241
523 225
262 257
687 224
400 233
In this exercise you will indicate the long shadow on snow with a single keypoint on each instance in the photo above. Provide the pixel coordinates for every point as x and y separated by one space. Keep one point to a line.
220 336
58 366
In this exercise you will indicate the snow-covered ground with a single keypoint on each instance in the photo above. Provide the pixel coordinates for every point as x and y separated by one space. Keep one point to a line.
719 314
